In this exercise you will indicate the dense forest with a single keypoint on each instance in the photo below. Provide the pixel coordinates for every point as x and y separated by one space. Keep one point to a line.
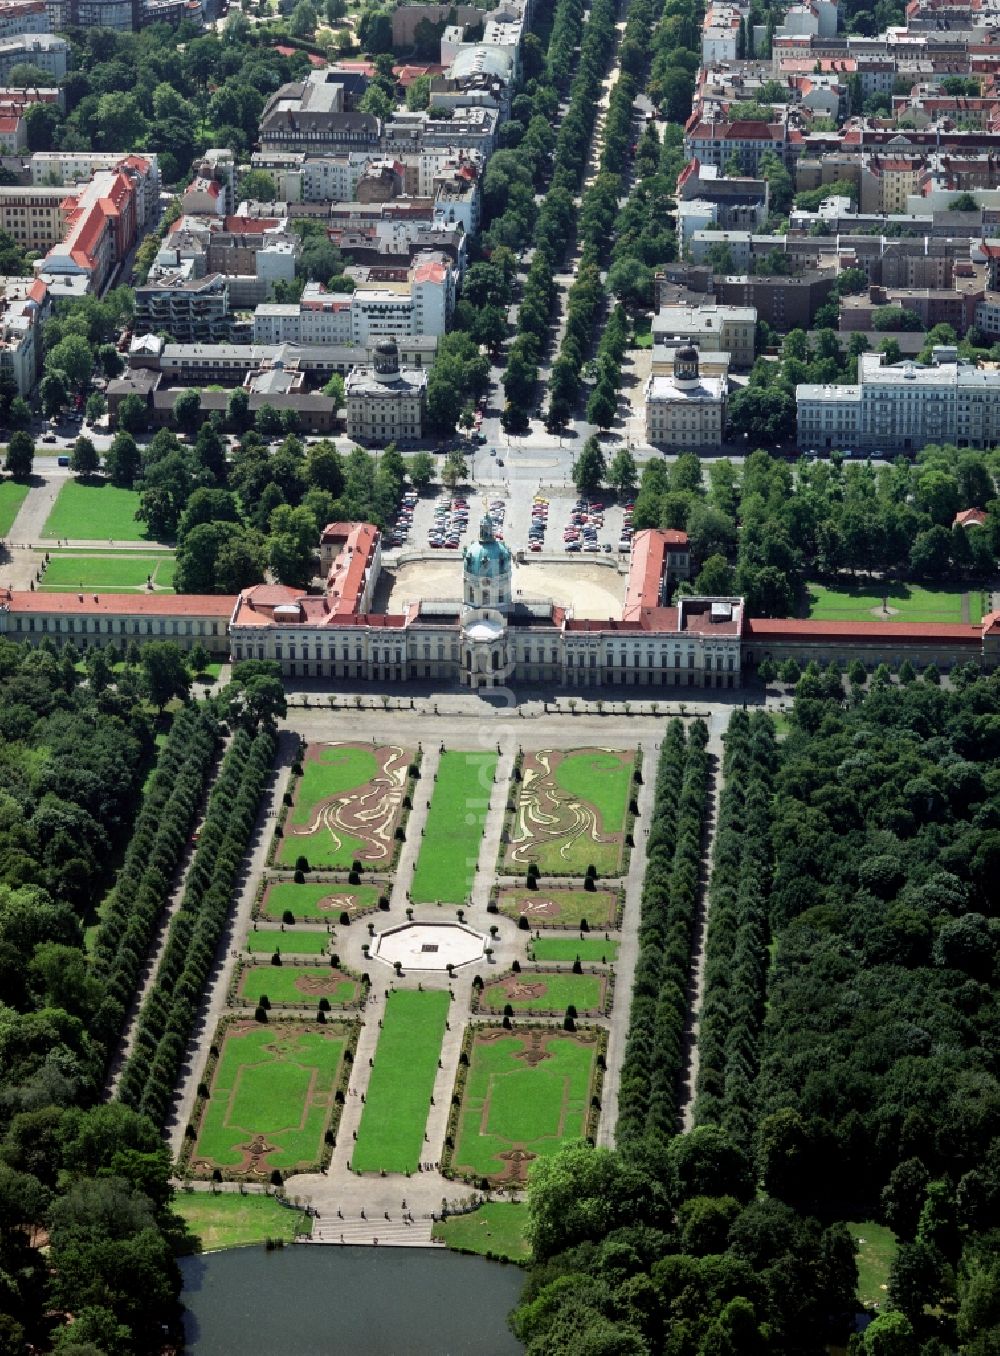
849 1065
78 755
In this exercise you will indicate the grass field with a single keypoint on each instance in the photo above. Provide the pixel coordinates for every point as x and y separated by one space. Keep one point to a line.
449 852
909 603
346 805
274 1083
226 1219
125 572
291 942
560 908
541 991
303 985
95 512
875 1255
511 1103
496 1228
12 496
566 949
318 899
391 1133
570 811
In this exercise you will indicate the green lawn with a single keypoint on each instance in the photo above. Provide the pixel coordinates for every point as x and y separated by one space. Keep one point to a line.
508 1103
912 602
303 985
566 949
275 1081
95 512
346 805
876 1248
391 1133
225 1219
496 1228
67 571
585 992
446 866
571 811
291 942
560 908
318 899
12 496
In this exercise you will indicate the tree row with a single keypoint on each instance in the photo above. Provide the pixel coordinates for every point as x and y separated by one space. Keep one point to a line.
168 1014
134 908
654 1051
738 931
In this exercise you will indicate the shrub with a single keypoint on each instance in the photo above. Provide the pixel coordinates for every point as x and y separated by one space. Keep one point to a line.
260 1013
301 863
275 957
288 918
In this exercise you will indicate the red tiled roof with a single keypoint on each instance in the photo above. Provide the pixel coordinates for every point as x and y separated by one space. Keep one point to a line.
120 604
791 628
971 517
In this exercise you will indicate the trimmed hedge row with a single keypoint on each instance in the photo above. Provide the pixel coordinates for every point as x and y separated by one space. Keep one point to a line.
636 1074
143 885
738 933
169 1012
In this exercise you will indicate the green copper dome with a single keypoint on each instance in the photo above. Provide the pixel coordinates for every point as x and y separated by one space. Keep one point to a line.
487 558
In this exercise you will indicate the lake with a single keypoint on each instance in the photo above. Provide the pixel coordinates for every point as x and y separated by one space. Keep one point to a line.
324 1301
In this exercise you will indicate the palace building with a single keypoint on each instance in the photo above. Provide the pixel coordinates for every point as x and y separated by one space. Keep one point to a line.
490 634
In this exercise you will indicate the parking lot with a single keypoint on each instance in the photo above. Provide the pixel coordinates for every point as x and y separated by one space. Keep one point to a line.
529 519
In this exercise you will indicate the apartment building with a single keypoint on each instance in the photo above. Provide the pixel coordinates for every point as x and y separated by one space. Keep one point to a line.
903 407
190 310
23 16
746 141
44 50
712 328
24 305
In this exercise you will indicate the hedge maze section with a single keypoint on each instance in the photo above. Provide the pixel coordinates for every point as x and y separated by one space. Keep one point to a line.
347 805
570 812
525 1094
555 908
299 986
271 1099
318 901
548 993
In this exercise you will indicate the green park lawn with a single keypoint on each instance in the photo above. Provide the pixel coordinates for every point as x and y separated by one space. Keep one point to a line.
546 907
585 992
67 571
318 900
95 512
319 826
12 495
572 815
567 949
496 1228
227 1219
912 602
508 1103
290 942
302 985
446 865
276 1081
876 1248
391 1133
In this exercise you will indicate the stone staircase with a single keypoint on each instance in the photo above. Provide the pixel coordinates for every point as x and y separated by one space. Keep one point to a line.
394 1233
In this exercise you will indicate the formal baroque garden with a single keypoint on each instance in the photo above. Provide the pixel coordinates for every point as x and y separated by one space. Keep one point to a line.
449 853
570 811
271 1097
522 1094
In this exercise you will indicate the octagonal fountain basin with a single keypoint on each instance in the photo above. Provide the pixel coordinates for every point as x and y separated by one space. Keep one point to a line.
429 946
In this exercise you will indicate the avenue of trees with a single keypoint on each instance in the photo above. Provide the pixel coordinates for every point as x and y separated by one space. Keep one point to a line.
77 798
167 1018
